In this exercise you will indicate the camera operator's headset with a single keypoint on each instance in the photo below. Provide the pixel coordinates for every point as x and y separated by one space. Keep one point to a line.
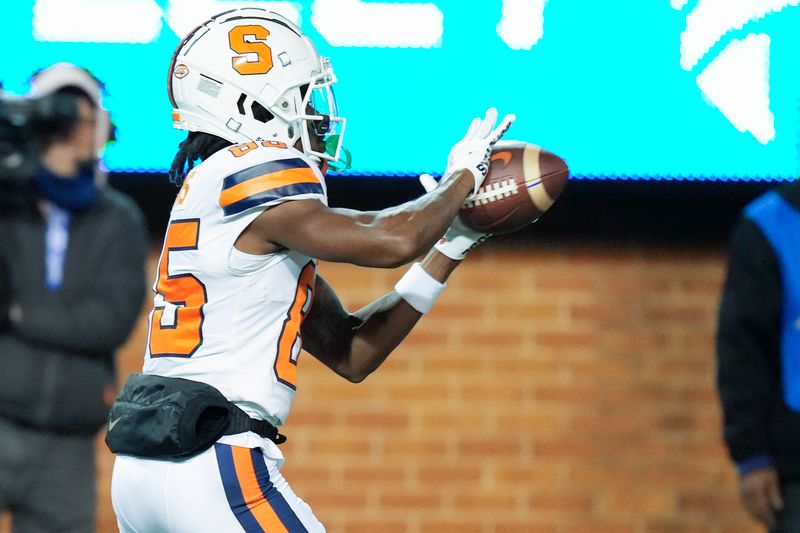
64 111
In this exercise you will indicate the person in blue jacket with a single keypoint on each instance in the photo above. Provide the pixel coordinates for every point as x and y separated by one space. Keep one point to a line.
758 356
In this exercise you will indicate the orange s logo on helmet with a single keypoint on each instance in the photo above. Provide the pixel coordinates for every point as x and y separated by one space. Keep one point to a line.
246 64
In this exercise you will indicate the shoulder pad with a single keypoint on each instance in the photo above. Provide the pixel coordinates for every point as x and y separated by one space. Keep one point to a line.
272 175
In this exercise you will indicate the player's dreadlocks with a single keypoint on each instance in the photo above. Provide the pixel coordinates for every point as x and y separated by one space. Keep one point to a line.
197 145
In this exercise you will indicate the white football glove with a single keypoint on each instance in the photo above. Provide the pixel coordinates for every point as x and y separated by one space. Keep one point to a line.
473 151
458 240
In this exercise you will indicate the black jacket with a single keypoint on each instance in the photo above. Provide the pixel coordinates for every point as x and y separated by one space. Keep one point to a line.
56 363
757 421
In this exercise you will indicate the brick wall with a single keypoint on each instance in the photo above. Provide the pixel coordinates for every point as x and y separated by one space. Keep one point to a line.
553 390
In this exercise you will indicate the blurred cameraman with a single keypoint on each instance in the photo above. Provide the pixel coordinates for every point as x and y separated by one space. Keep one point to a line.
72 284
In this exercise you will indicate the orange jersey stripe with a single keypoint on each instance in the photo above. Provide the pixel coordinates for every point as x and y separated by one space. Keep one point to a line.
251 491
266 182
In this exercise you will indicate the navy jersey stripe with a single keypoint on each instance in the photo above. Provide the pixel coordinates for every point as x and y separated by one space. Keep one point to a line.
261 169
272 194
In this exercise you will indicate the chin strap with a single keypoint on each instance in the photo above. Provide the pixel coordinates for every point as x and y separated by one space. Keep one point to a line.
345 159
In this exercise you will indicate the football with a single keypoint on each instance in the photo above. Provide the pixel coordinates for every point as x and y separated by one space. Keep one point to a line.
523 182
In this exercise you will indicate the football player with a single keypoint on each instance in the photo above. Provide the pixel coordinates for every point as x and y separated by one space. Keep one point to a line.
237 286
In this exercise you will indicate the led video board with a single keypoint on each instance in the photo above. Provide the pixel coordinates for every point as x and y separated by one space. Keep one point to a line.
663 89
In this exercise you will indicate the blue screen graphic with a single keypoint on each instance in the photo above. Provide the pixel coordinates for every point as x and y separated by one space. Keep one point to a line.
664 89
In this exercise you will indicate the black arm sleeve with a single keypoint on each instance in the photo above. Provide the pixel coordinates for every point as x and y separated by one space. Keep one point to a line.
748 342
100 319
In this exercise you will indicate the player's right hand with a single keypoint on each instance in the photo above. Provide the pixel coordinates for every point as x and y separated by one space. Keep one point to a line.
761 493
459 239
473 151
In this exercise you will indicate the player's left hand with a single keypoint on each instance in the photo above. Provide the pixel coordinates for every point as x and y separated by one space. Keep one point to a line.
473 151
458 240
761 493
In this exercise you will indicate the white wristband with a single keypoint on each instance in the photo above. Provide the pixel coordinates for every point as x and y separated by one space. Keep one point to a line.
419 289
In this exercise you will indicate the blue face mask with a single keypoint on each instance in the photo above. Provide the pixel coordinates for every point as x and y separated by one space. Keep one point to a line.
71 194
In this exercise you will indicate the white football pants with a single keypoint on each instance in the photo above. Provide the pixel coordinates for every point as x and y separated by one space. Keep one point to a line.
225 488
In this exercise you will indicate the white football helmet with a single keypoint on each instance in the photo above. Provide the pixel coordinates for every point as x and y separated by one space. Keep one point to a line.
249 75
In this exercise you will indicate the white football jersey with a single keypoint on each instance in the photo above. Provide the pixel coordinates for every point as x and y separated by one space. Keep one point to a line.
221 316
